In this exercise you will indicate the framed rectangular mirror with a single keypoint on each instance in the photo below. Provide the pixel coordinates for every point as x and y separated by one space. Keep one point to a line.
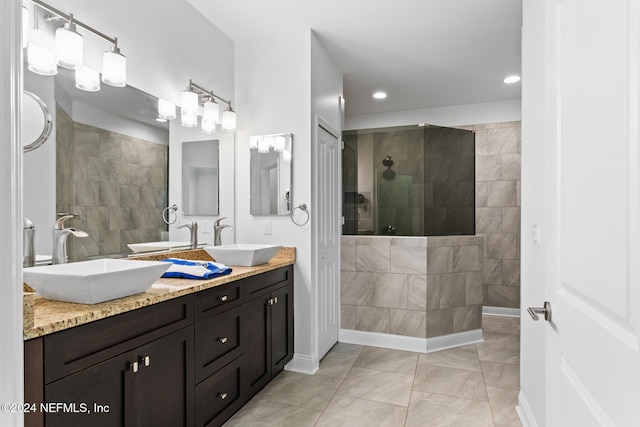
200 170
270 174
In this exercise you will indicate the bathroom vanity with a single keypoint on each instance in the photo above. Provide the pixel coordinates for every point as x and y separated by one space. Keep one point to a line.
184 353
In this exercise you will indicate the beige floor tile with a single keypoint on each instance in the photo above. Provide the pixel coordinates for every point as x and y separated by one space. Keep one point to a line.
259 413
306 391
346 348
384 359
502 324
501 375
450 381
386 387
498 347
352 412
463 358
336 364
503 406
435 410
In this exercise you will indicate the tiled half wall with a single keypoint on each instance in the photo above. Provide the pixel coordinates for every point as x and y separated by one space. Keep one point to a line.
420 287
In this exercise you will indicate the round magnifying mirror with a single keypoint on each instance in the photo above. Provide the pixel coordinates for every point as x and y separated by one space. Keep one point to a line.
35 122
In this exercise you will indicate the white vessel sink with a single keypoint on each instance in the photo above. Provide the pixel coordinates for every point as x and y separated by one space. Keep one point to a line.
243 254
92 282
158 246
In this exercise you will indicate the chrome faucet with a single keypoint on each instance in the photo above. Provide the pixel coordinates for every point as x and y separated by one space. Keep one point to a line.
60 234
28 243
217 231
193 228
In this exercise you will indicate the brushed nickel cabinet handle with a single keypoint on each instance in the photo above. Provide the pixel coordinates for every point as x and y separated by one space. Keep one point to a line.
223 340
223 396
224 298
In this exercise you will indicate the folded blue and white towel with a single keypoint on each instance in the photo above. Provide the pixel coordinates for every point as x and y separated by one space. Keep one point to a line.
189 269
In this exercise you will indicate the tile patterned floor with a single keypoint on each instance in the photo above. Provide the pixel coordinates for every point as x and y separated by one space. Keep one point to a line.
471 386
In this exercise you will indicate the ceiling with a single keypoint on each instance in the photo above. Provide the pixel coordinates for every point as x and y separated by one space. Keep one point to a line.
422 53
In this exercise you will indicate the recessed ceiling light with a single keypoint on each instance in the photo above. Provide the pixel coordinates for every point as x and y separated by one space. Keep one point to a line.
379 95
511 79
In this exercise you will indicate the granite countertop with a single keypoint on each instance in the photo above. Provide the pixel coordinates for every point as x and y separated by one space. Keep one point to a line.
52 316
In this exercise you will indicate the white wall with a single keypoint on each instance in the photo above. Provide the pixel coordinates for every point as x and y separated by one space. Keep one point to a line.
534 152
166 44
457 115
281 82
11 364
326 85
273 92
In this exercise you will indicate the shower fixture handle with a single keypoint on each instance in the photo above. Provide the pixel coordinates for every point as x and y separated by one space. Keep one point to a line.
546 310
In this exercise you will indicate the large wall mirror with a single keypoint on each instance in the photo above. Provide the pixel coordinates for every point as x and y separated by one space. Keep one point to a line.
270 174
105 161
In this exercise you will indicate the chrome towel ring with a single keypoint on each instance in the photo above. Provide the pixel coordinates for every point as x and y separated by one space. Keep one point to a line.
166 214
303 208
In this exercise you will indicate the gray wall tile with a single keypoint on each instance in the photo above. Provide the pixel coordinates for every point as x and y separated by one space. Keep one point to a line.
390 290
348 316
439 322
372 319
409 323
467 318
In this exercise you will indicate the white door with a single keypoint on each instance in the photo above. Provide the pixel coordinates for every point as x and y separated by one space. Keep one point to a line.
326 232
581 187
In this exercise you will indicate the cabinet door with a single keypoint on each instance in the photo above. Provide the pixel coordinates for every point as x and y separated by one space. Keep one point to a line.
281 328
258 343
104 390
166 381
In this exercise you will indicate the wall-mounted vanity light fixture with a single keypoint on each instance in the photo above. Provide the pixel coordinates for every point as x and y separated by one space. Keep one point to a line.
69 45
190 105
279 142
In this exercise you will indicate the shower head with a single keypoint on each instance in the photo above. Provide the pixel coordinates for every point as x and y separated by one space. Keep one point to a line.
388 162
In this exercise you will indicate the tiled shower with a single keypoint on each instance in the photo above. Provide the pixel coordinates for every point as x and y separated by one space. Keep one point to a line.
436 285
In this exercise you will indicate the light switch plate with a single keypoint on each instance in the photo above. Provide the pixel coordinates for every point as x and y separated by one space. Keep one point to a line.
267 227
536 234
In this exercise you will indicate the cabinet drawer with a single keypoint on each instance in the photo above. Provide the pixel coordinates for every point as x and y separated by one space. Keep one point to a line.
77 348
265 282
220 395
218 299
219 340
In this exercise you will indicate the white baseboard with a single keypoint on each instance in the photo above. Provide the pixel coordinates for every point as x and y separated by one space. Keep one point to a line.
454 340
303 364
405 343
377 339
501 311
524 412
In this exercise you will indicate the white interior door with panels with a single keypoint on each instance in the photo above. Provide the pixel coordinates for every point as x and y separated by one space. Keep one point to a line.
582 204
326 231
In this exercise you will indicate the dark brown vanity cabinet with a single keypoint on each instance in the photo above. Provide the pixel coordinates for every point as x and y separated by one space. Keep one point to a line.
269 311
193 360
244 339
148 386
134 369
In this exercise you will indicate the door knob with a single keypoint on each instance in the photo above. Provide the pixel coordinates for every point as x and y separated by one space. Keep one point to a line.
546 310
